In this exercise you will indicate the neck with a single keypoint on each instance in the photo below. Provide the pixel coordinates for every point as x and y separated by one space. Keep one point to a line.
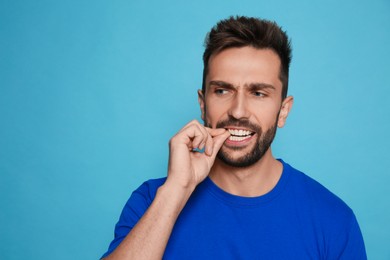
255 180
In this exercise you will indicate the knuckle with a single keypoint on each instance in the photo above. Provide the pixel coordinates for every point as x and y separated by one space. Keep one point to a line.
172 141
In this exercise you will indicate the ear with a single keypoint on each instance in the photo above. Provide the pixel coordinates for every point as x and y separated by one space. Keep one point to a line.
285 110
201 101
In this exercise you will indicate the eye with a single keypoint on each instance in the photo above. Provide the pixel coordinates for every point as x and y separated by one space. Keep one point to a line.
258 94
221 91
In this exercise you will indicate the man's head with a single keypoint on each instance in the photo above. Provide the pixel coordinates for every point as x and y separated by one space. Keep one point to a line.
243 31
245 86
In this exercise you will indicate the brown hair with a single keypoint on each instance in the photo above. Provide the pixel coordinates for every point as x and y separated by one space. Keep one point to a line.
241 31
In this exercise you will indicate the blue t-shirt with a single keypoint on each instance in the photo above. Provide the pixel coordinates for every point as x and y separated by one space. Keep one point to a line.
297 219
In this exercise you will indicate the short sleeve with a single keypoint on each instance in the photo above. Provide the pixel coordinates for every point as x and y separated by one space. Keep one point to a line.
133 211
349 244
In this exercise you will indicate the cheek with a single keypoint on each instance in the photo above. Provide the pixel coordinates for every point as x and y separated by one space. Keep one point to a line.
214 113
266 116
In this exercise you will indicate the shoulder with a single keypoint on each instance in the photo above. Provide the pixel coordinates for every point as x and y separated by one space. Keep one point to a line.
135 207
318 198
148 189
332 220
139 201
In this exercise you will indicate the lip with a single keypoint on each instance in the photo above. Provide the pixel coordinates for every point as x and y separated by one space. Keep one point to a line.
238 128
239 143
242 130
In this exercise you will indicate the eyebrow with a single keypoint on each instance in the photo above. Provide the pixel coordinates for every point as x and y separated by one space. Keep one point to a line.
253 86
222 84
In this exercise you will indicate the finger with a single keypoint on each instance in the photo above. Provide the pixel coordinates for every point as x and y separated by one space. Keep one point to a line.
201 138
209 145
206 136
215 131
216 135
189 124
218 142
194 135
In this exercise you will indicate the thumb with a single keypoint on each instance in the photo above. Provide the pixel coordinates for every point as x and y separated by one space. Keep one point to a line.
218 142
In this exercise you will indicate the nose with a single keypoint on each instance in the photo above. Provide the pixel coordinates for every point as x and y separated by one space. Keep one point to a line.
238 108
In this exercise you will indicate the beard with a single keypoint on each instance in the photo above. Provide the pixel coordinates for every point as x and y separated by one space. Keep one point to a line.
263 143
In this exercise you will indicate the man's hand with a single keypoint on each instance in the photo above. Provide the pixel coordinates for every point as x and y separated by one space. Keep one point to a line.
188 167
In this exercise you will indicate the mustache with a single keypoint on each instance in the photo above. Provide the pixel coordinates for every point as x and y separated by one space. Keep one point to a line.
239 123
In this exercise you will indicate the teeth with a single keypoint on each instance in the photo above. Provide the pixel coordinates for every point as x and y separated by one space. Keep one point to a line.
240 132
238 138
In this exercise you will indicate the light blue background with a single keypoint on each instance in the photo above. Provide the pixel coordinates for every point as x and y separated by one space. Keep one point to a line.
92 91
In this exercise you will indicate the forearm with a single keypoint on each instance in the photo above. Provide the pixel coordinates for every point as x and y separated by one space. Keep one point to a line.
149 237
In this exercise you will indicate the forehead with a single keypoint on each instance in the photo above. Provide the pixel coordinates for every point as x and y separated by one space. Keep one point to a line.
244 66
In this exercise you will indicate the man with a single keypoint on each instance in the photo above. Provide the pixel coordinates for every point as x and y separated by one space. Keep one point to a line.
235 200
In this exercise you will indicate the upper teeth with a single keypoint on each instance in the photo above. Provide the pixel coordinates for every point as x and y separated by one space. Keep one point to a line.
239 132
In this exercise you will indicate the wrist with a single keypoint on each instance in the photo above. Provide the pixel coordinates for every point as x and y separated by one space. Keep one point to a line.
176 190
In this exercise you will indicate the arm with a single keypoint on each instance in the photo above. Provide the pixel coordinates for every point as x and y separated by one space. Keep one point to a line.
351 244
149 237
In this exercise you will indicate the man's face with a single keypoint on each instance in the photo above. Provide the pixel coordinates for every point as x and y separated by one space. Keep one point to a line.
243 95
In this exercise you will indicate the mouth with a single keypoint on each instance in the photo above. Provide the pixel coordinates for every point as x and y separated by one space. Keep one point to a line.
239 135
